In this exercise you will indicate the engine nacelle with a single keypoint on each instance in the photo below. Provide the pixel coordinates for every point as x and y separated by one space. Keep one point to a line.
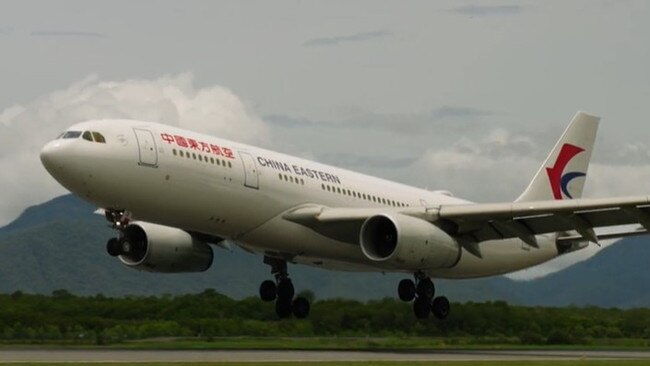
397 241
157 248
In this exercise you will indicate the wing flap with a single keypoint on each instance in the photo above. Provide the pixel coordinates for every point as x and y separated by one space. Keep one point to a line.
605 236
526 219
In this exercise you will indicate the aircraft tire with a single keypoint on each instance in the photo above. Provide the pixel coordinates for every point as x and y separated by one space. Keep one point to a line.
406 290
440 307
285 290
425 289
113 247
283 308
268 290
300 308
421 308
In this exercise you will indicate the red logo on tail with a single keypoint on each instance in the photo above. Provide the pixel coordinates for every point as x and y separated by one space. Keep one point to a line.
560 181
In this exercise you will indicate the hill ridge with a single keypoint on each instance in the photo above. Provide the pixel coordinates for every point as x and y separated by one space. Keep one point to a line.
44 250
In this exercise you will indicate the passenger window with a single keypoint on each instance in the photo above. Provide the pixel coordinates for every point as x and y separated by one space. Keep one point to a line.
86 136
99 137
200 158
211 160
194 156
229 165
174 152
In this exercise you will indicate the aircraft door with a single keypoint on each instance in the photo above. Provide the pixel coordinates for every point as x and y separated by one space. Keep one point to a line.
146 147
251 178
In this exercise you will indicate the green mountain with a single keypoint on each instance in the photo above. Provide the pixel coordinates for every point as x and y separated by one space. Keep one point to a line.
61 245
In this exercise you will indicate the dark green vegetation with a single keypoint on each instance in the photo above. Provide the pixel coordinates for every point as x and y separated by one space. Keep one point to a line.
61 244
66 318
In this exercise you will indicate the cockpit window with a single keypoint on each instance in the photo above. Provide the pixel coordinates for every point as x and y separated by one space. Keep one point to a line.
86 136
99 137
71 134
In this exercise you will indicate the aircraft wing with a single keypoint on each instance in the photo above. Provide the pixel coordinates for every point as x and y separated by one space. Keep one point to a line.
481 222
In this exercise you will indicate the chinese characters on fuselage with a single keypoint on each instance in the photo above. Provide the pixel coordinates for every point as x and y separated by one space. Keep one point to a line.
193 144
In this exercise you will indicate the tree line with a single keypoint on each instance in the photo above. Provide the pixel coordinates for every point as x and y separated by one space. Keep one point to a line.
65 317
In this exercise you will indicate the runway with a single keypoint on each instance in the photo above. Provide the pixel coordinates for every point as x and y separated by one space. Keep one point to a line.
38 355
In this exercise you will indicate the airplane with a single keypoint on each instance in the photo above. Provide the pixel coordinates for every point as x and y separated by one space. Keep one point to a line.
173 194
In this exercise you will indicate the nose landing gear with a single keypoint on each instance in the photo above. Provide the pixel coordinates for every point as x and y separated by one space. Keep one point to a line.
118 219
281 290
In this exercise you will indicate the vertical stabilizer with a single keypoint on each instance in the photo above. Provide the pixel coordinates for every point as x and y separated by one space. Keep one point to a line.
563 174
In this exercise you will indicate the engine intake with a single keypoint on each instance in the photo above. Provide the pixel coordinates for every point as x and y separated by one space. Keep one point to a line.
404 242
156 248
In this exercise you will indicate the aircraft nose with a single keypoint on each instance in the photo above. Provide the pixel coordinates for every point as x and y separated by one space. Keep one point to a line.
50 156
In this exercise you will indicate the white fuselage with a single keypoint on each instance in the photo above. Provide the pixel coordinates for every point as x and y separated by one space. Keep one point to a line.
174 177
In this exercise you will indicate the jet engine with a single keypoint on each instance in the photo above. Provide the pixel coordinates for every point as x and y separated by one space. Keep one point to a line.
397 241
156 248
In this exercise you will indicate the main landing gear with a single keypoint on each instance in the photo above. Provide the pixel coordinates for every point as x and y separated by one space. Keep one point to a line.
281 290
422 293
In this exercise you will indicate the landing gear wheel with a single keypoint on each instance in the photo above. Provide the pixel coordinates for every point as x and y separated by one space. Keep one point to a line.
268 290
300 307
425 289
421 308
285 290
113 247
440 307
283 308
406 290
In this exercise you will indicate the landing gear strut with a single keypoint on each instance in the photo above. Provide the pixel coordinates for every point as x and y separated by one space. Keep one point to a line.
422 293
119 220
281 290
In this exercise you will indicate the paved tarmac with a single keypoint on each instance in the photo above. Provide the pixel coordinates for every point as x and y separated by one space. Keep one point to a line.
36 355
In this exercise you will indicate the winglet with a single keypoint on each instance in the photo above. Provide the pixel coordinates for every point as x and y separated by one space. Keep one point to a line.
562 176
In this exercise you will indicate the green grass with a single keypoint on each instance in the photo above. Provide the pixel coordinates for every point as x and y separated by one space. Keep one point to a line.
374 363
341 343
370 343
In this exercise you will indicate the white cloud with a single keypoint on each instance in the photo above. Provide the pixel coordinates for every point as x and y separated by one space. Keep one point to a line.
173 100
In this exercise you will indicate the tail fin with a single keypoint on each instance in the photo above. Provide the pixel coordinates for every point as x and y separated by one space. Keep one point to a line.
563 173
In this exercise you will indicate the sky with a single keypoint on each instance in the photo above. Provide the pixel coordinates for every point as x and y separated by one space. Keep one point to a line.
466 96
